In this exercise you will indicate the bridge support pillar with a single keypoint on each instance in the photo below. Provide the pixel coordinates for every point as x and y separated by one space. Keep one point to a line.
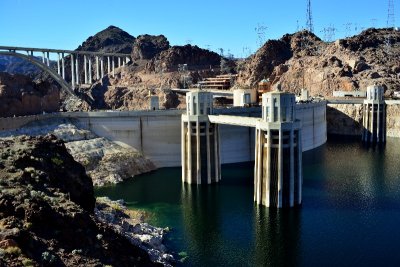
77 70
72 71
58 64
97 68
63 66
119 62
48 59
108 65
85 68
102 66
113 66
374 116
200 141
278 153
90 77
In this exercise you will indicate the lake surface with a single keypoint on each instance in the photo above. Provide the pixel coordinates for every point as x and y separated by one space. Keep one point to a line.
350 214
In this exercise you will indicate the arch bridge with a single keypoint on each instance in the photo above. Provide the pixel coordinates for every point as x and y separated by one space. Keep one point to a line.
95 64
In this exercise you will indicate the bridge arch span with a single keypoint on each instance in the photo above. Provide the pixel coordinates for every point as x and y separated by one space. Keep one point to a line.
64 85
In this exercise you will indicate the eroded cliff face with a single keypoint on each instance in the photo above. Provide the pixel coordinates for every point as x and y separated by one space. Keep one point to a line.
346 119
20 96
47 211
393 120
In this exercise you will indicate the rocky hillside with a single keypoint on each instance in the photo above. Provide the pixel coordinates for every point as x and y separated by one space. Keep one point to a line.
302 60
148 46
19 96
110 40
47 213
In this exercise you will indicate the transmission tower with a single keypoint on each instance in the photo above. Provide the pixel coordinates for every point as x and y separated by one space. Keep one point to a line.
373 22
390 23
329 33
348 29
309 24
260 31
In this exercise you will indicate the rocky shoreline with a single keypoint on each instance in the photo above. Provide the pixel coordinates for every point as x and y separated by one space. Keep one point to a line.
49 216
131 224
105 162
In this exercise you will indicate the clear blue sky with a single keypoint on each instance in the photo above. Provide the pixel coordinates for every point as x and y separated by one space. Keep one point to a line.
219 23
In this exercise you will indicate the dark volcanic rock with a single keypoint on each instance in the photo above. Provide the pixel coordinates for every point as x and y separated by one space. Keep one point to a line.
19 95
147 46
47 211
196 58
112 40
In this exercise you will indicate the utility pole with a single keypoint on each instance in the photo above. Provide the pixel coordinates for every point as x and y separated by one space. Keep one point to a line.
309 23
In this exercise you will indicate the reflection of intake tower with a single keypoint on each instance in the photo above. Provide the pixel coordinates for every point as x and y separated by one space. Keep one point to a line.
278 171
374 115
200 146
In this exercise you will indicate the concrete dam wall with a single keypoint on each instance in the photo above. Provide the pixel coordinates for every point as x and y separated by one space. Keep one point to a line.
158 133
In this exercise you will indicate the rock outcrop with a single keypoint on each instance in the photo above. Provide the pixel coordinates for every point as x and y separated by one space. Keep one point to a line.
19 96
148 46
302 60
110 40
47 211
195 57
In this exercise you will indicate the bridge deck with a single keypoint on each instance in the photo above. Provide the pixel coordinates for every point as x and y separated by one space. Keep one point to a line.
15 48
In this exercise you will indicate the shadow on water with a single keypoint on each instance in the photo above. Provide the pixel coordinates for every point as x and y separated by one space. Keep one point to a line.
277 239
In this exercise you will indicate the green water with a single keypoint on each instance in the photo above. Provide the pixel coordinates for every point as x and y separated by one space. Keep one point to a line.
349 217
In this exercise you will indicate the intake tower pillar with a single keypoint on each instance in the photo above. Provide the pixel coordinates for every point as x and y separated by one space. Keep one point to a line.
200 141
278 160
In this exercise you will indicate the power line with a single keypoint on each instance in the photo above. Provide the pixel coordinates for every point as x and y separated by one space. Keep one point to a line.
309 24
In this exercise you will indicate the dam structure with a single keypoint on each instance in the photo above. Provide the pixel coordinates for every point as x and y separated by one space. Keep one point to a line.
278 173
374 116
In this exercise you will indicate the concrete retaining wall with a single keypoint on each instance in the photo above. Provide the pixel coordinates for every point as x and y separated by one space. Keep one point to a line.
158 133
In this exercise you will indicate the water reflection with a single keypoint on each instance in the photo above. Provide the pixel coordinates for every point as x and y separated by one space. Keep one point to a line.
200 215
277 238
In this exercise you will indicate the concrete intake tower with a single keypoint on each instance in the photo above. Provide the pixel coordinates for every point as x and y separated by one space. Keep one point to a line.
374 116
278 147
278 159
200 141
